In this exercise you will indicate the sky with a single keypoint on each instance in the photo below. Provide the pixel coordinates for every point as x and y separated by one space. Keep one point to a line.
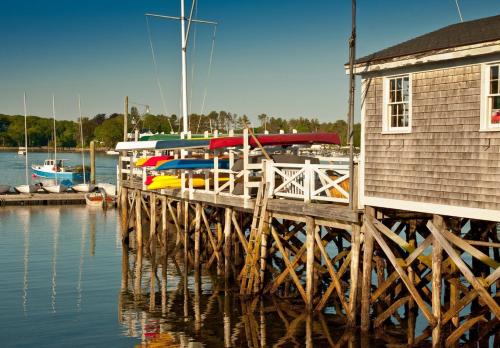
284 58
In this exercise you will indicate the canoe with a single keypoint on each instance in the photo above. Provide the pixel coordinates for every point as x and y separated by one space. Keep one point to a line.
193 164
4 189
152 161
277 140
344 184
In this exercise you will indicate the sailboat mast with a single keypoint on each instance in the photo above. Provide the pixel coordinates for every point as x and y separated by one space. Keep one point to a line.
55 135
184 73
25 140
81 138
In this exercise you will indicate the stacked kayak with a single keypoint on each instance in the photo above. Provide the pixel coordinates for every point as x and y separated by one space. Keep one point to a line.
173 181
277 140
155 161
192 163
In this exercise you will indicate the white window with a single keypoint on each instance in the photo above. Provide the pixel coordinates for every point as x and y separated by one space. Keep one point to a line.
397 104
490 97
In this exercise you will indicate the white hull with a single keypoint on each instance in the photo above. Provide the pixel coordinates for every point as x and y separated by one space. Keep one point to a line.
55 188
83 188
96 199
110 189
26 188
4 188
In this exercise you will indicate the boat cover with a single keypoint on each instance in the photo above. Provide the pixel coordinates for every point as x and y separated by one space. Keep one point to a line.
277 139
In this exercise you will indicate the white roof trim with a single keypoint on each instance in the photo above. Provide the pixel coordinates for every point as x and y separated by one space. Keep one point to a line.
425 57
135 145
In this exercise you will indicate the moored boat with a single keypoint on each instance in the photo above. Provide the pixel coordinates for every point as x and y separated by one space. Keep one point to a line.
97 199
4 189
50 169
27 188
57 188
83 187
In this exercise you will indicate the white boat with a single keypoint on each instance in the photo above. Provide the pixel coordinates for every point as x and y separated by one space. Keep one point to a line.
110 189
58 188
112 152
83 188
26 188
4 189
97 199
21 151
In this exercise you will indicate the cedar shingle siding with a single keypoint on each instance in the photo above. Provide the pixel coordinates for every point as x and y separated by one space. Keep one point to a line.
445 159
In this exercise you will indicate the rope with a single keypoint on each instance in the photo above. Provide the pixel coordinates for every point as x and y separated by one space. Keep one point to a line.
193 52
208 77
158 82
459 12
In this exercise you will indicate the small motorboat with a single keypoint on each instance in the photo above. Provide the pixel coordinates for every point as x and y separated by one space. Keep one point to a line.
21 151
27 188
83 188
4 189
98 199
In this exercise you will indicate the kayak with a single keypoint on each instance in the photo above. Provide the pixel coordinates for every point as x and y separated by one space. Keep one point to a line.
277 140
175 182
153 161
192 163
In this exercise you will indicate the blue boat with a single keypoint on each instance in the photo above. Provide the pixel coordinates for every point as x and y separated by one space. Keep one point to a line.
52 170
193 163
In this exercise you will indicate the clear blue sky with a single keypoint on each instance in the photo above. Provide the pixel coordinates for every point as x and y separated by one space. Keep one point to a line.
283 58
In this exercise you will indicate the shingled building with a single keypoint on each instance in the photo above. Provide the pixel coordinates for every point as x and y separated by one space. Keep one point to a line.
431 123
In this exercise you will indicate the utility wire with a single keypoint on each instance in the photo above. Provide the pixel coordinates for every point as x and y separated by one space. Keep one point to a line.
158 82
459 12
208 76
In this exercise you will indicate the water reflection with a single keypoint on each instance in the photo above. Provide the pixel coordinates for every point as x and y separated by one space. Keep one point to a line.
164 307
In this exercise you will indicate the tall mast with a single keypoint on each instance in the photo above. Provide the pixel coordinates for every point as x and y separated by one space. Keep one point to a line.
55 134
81 138
352 87
26 140
184 73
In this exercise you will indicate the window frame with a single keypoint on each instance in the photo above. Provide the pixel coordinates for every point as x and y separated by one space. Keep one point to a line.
485 122
386 122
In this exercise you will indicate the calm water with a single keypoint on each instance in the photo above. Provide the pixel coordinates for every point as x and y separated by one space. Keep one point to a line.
12 166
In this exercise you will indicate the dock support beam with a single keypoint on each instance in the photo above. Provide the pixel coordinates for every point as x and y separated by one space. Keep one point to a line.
138 220
367 276
353 292
124 213
310 227
437 254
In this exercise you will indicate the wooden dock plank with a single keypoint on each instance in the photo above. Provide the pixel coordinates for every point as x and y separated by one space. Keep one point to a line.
42 199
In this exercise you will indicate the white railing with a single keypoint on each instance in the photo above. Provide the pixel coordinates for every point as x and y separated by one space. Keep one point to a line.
306 182
309 182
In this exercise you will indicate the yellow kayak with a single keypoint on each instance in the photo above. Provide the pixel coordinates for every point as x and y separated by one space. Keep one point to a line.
172 181
140 161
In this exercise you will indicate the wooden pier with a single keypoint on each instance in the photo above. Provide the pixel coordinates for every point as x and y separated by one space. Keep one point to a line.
42 199
292 239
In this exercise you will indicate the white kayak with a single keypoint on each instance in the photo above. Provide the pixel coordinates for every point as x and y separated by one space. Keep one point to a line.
83 188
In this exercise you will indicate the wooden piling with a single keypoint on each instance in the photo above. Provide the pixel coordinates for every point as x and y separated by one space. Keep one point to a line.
367 275
197 237
437 251
92 162
227 243
124 213
353 292
138 219
310 227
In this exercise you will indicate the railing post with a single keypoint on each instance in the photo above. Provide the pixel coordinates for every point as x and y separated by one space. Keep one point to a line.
144 176
216 174
245 164
307 182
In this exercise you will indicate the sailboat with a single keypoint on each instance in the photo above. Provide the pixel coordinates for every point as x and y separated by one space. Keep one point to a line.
57 187
27 188
85 187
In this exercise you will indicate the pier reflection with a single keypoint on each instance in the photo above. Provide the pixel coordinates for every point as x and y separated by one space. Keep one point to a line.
162 306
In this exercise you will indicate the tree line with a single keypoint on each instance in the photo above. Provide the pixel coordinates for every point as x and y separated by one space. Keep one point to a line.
107 130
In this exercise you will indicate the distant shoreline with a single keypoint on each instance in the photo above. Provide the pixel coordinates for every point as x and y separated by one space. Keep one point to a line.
44 149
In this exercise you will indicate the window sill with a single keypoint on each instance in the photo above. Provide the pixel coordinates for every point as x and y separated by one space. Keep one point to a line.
402 131
492 129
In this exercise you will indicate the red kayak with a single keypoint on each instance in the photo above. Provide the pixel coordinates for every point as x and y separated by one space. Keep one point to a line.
152 161
277 140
